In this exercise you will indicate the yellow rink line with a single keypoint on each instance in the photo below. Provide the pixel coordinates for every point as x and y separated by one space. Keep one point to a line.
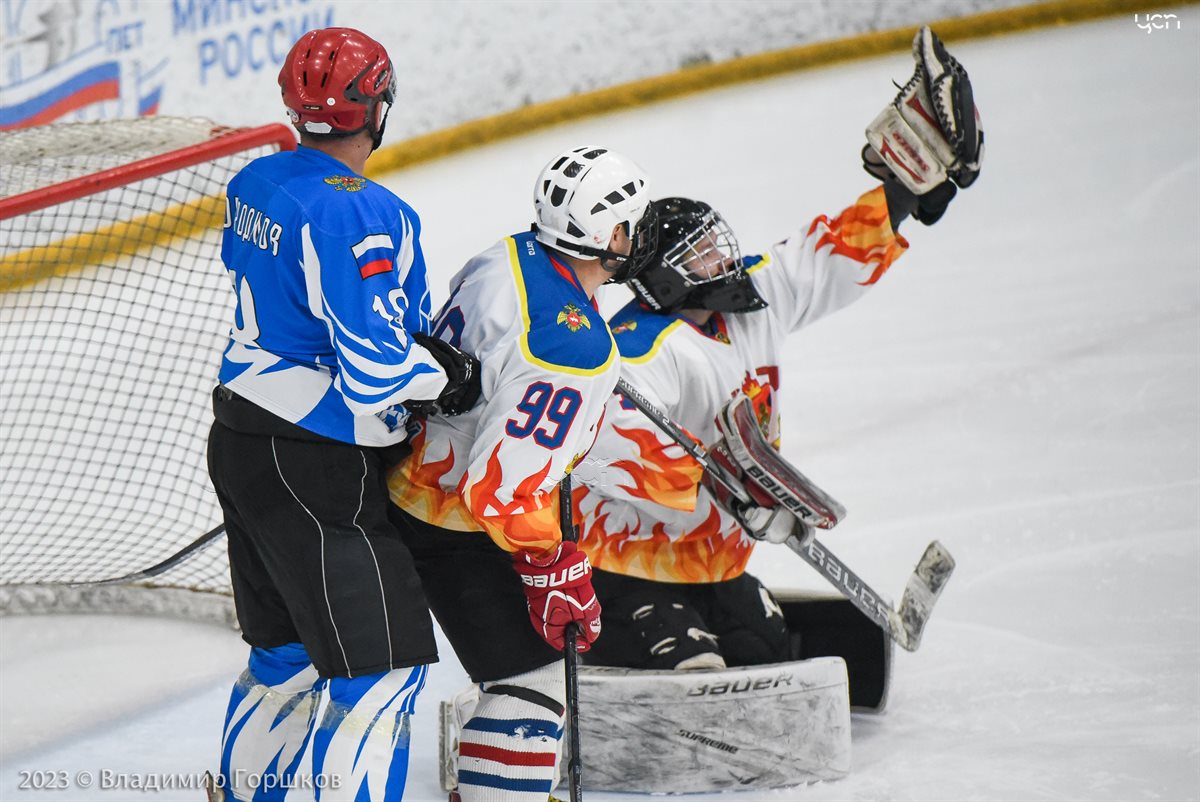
81 251
701 78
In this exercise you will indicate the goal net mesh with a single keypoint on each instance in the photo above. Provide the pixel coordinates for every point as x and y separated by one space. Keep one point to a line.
114 309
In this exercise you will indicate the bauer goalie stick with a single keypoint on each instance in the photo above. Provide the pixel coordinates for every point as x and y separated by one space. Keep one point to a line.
905 625
566 520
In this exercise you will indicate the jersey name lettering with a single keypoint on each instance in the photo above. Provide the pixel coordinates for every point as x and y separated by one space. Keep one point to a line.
251 225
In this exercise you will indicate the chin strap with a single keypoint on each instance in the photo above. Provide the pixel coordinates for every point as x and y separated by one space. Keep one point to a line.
377 136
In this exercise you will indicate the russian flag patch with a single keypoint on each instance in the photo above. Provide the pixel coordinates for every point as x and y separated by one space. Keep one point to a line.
374 255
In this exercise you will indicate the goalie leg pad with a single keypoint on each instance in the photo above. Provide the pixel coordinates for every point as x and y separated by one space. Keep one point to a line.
743 728
509 747
737 729
271 713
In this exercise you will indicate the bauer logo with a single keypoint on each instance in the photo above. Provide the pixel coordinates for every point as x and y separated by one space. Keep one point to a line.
1156 22
556 579
737 686
841 575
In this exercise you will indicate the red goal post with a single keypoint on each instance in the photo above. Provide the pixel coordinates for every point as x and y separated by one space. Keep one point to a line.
114 308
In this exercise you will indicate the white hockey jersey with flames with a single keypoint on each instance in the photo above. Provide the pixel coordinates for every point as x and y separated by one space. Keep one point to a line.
638 497
549 364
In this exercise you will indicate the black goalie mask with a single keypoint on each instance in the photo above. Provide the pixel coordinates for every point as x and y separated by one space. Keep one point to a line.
643 250
696 264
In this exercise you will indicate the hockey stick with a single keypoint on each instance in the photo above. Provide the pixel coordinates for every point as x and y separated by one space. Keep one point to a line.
906 625
697 452
159 568
566 520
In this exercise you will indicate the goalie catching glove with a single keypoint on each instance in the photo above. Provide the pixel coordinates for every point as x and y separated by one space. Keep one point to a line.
783 502
558 588
929 139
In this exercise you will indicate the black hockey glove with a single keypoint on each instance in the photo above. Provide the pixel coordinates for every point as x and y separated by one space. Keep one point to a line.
462 386
901 201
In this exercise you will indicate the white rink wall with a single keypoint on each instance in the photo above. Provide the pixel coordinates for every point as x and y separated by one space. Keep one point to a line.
457 60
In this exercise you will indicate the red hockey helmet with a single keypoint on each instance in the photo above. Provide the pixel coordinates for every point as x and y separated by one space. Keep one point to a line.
338 81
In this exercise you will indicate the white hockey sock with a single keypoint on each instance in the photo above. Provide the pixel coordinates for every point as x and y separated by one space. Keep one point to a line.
359 749
267 724
508 750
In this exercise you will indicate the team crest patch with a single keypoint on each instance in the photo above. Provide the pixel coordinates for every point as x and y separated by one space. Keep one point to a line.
350 183
628 325
573 317
761 398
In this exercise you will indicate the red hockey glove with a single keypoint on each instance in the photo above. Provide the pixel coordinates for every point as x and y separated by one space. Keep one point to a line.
558 588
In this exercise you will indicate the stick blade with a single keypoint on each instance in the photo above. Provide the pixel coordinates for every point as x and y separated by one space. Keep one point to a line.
924 587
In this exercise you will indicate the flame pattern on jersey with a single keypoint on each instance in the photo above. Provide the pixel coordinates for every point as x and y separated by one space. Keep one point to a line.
863 232
634 526
712 550
656 475
418 488
529 521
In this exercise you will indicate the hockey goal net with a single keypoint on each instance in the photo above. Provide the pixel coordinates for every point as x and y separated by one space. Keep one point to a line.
114 308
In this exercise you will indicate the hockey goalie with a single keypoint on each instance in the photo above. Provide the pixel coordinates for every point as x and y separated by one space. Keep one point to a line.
728 683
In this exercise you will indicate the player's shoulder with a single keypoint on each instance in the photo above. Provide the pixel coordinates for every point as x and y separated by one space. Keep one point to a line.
641 333
755 263
330 194
563 331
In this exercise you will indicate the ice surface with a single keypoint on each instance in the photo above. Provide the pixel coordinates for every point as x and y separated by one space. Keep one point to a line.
1023 386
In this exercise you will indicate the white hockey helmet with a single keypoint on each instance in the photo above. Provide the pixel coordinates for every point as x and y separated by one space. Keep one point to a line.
582 194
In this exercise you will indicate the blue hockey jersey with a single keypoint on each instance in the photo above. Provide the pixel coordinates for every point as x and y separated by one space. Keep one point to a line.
330 279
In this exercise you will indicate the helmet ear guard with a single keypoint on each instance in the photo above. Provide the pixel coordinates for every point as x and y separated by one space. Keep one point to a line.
697 263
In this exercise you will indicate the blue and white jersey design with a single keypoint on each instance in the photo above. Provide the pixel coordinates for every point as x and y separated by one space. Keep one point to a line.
330 279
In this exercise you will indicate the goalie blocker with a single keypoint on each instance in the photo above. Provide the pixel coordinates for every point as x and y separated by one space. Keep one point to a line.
767 726
773 485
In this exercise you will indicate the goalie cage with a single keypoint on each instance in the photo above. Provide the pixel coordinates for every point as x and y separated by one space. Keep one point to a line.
114 308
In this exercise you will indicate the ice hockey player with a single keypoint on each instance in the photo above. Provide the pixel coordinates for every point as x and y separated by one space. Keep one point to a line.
708 325
329 343
479 496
